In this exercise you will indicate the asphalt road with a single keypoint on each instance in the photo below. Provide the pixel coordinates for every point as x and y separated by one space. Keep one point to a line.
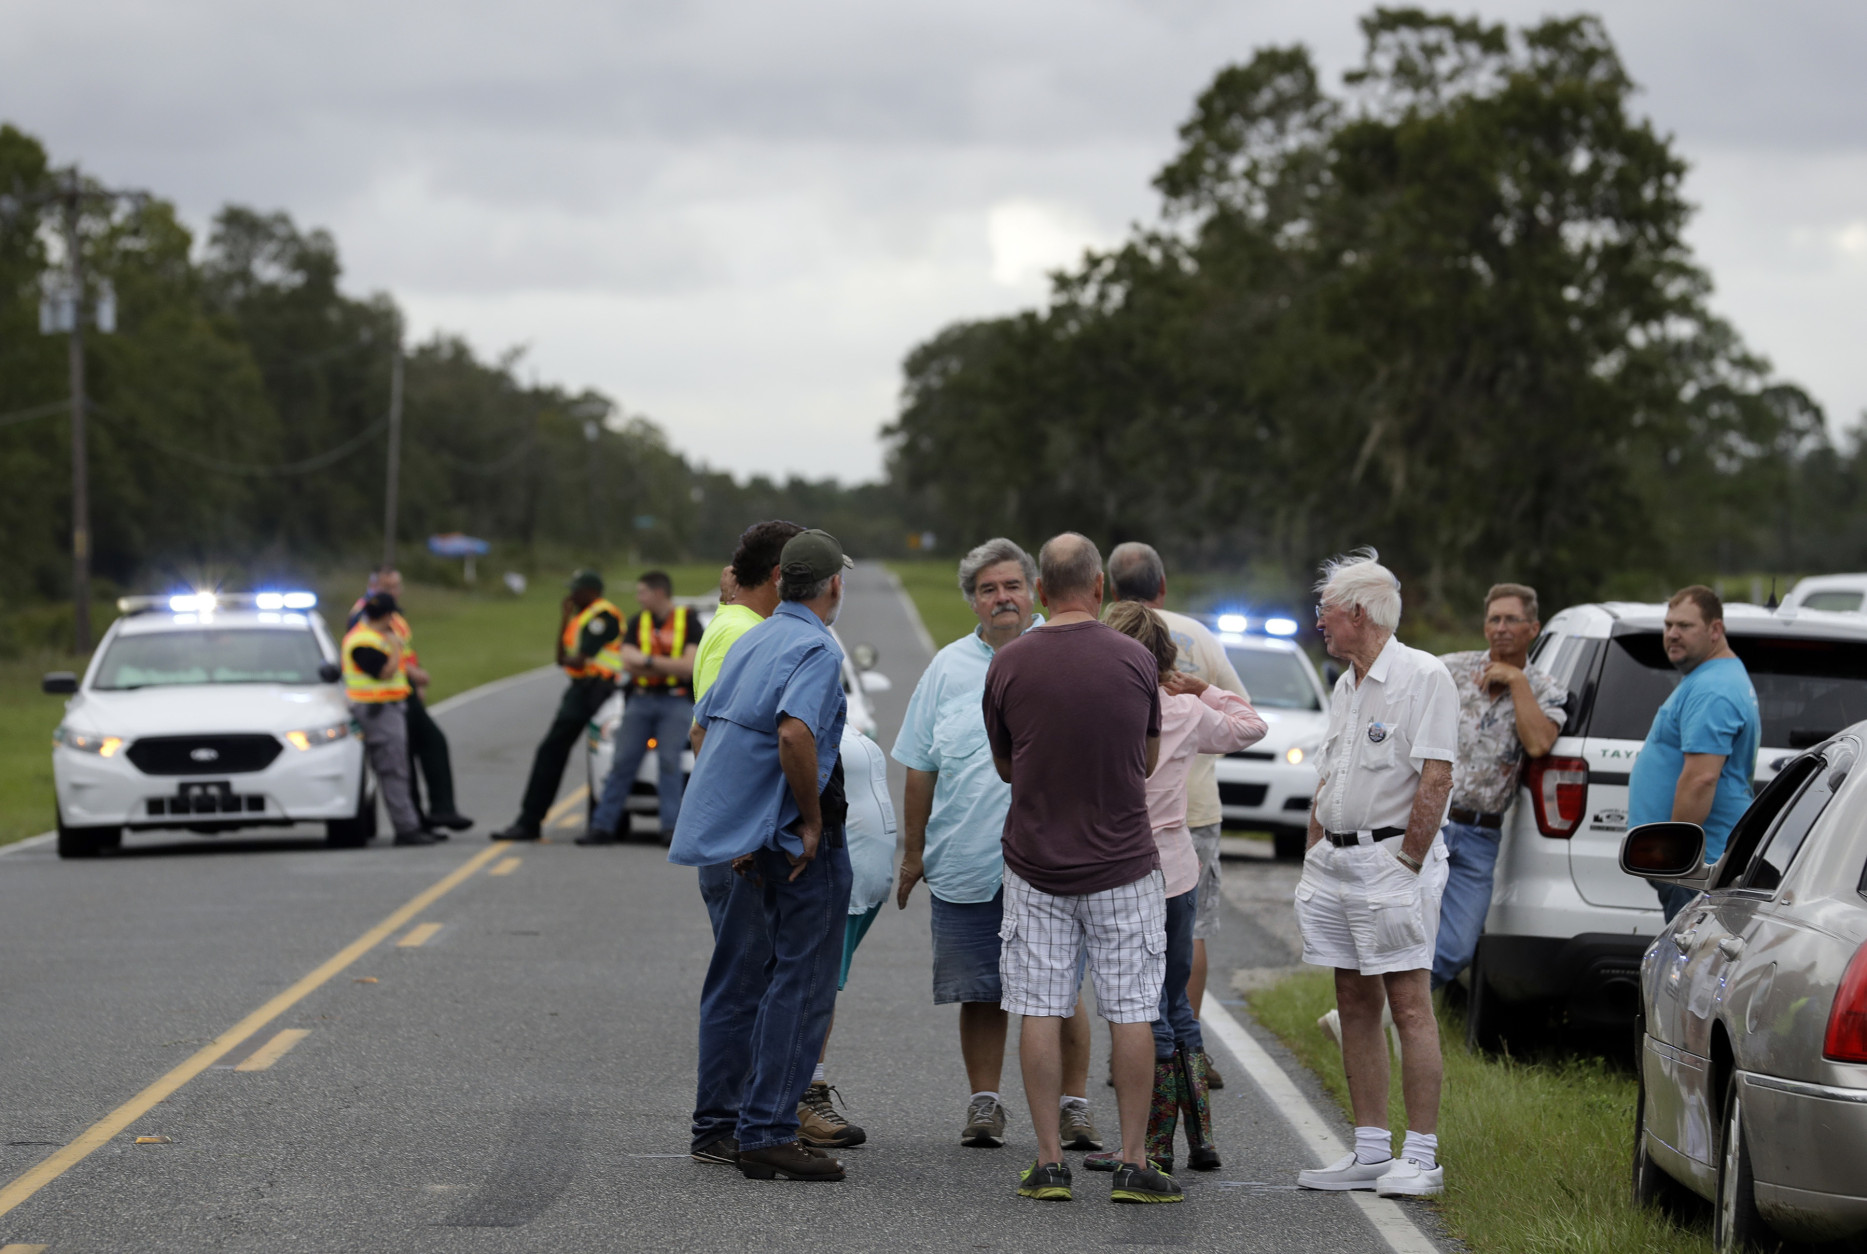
521 1078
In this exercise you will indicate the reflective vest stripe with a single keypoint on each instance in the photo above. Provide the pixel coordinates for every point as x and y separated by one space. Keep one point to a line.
608 661
362 687
645 641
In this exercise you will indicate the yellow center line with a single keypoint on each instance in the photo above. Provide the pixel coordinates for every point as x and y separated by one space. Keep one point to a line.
272 1050
17 1248
505 868
123 1116
565 806
420 934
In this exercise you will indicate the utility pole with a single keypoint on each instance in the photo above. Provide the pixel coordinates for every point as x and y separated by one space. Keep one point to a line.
64 306
395 456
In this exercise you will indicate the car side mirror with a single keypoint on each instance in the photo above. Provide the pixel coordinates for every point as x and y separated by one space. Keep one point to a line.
59 683
330 672
865 657
1666 853
875 681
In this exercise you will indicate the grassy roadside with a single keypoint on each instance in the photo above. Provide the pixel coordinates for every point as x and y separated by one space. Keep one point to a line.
1537 1152
466 638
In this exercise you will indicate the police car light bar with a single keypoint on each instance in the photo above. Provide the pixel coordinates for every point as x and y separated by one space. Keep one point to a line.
208 602
1280 626
1234 623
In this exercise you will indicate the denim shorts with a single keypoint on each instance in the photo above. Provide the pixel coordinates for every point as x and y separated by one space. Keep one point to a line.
965 949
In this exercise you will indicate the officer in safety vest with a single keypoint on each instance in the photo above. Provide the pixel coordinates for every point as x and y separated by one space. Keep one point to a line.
658 657
427 743
378 692
589 648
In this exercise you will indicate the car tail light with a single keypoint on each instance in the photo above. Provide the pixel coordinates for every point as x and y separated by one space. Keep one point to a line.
1559 791
1847 1022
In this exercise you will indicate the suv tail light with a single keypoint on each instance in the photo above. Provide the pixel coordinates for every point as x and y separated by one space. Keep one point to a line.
1847 1022
1559 791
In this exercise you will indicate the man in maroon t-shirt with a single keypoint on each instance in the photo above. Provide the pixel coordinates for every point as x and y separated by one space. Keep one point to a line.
1072 712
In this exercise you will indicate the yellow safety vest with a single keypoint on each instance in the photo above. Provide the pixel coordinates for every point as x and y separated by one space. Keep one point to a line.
645 641
608 661
364 688
406 635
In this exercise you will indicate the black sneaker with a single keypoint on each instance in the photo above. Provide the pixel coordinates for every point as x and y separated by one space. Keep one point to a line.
1045 1182
453 820
518 831
416 837
723 1151
596 836
1143 1184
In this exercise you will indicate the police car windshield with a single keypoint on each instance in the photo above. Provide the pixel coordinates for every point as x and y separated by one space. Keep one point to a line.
209 656
1807 690
1275 679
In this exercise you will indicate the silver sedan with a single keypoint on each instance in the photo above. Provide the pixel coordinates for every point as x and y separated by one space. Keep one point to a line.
1753 1032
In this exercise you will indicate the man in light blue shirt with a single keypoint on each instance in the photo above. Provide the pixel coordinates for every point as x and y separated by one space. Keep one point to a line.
955 819
1701 753
767 796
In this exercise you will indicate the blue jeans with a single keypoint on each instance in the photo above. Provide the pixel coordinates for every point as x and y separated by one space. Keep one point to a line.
1471 866
663 718
766 1004
716 888
1178 1025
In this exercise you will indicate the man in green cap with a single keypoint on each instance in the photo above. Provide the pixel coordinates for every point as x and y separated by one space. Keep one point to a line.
589 648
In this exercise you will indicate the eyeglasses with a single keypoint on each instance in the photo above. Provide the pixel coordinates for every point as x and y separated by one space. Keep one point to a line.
1505 620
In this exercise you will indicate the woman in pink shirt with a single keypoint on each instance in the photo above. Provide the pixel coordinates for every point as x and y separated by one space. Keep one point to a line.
1195 718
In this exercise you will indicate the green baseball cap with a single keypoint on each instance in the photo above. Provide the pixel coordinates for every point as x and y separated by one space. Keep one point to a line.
586 578
815 554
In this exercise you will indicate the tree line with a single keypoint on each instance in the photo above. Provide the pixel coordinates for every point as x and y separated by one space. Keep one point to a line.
238 421
1447 310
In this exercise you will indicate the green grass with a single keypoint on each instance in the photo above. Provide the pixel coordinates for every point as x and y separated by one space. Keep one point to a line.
1536 1152
934 589
466 638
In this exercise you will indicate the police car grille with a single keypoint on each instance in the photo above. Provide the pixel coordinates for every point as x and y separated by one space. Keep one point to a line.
203 755
1242 794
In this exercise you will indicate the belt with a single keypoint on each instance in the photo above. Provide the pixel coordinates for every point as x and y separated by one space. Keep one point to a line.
1342 840
1475 818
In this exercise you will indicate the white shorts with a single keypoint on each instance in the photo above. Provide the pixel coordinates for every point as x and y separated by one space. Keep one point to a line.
1361 910
1206 846
1043 937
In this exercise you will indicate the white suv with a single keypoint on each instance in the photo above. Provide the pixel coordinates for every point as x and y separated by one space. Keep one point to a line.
1567 927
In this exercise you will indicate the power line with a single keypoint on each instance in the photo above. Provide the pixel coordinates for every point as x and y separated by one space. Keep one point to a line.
316 462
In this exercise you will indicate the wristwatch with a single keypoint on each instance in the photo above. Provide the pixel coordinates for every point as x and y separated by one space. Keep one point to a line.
1409 861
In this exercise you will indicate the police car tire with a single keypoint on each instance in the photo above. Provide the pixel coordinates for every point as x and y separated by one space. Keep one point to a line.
359 830
87 842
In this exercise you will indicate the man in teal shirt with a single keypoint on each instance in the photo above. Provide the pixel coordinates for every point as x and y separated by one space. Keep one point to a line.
1701 753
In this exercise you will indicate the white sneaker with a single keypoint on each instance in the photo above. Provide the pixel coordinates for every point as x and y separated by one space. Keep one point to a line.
1406 1178
1348 1173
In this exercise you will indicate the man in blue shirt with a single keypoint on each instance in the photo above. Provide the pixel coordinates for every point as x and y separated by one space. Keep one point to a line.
767 796
1701 753
956 807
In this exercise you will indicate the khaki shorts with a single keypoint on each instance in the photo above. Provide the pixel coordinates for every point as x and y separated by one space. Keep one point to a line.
1206 849
1361 910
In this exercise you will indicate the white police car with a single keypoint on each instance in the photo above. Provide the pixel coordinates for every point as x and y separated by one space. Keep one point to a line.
1269 786
209 712
859 678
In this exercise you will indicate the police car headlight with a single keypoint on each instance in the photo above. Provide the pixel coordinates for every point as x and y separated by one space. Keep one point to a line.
315 737
1294 755
88 742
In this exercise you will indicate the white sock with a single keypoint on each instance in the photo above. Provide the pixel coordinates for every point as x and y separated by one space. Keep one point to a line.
985 1093
1422 1148
816 1077
1373 1145
1073 1101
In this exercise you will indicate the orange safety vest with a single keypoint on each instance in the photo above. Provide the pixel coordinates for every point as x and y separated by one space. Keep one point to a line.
645 641
608 661
403 631
359 685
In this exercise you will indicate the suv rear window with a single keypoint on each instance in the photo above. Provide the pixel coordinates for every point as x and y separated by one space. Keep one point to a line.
1807 689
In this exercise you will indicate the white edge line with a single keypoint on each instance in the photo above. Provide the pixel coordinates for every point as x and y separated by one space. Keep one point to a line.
914 615
1396 1227
488 689
453 702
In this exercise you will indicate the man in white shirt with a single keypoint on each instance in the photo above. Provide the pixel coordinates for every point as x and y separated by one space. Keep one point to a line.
1368 902
1137 574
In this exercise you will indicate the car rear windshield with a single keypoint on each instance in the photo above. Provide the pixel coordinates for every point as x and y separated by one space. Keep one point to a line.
1807 689
1845 602
246 656
1275 679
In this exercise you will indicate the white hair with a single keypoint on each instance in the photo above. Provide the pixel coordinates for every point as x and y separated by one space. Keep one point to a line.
1359 579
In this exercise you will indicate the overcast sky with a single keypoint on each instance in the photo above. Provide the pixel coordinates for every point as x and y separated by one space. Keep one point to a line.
737 216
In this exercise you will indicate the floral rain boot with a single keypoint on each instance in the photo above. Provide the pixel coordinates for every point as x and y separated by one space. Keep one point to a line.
1195 1101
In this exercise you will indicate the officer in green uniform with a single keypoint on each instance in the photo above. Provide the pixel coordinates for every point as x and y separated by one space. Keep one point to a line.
590 651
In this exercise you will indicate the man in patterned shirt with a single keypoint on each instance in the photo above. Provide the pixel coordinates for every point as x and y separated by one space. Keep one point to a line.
1507 712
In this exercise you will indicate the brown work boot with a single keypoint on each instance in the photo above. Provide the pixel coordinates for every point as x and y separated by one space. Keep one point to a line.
790 1161
819 1124
1213 1079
